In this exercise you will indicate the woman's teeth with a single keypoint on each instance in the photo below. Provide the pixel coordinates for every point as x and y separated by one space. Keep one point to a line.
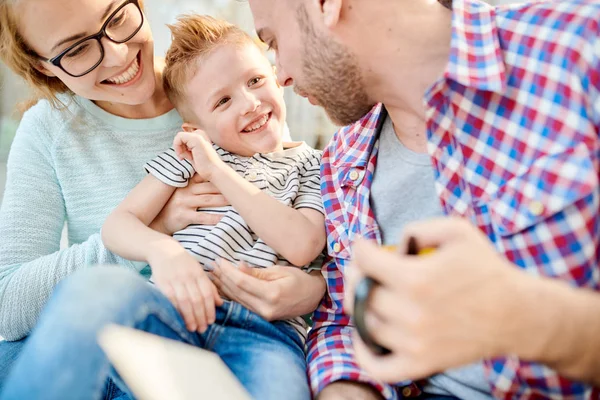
258 124
127 75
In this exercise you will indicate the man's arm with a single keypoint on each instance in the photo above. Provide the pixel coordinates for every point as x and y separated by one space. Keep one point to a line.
485 306
560 326
332 368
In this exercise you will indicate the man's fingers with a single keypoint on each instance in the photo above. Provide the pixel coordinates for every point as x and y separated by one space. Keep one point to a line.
395 364
434 232
384 266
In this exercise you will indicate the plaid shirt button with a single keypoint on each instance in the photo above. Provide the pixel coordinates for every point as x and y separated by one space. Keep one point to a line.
536 208
337 247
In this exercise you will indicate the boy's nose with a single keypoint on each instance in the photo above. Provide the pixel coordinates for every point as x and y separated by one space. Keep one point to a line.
251 104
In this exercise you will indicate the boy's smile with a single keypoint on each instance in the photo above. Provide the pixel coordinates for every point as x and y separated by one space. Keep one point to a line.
235 97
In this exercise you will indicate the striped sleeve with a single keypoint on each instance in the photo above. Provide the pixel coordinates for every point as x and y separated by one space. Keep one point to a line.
170 170
309 192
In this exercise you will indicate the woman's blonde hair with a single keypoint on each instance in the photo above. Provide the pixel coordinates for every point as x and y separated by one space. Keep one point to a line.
22 60
194 36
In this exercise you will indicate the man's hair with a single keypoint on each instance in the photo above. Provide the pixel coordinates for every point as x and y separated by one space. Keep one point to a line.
193 37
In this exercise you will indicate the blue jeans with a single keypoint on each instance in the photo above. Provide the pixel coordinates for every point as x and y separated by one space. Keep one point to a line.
62 359
9 352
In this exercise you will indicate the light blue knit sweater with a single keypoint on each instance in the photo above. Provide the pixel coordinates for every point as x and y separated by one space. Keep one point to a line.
70 166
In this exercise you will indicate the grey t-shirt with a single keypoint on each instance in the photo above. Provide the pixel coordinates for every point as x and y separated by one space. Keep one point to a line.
403 191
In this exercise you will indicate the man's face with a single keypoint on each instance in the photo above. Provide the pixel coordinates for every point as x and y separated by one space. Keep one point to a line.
319 67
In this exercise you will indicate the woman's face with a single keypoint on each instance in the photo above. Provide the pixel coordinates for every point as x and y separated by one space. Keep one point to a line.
126 74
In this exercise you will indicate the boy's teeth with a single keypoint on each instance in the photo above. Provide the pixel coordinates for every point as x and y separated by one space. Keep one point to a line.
127 75
257 124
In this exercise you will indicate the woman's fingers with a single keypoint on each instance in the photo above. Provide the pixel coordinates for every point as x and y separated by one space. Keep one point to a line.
202 218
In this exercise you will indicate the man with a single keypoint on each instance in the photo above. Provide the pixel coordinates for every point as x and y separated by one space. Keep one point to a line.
506 102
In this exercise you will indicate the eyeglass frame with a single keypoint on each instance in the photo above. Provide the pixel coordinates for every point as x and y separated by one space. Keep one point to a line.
98 36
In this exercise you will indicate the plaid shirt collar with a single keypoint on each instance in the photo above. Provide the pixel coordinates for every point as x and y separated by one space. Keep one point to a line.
475 53
359 141
475 61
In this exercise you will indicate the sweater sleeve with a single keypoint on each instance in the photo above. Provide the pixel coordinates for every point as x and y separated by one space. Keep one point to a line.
32 217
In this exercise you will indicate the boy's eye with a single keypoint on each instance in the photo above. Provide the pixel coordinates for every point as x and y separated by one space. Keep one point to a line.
223 101
255 80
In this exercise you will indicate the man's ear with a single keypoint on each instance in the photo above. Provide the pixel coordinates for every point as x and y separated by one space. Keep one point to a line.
330 11
189 127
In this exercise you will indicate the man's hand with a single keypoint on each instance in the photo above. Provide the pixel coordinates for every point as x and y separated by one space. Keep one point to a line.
181 278
449 308
348 390
273 293
197 148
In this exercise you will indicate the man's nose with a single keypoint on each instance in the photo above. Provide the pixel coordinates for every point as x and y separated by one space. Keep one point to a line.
282 77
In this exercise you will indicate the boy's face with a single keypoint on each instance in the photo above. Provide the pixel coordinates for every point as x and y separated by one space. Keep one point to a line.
236 100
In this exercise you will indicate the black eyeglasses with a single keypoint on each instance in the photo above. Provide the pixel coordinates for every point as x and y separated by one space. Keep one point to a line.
84 56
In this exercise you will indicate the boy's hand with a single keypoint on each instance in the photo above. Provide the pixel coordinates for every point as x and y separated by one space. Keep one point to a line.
197 148
181 278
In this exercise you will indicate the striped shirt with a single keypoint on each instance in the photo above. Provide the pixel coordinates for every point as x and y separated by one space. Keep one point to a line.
290 176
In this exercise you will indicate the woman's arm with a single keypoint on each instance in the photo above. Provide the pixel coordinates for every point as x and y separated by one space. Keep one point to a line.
32 218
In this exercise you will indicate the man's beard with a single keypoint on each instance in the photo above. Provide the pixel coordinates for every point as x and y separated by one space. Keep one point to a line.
332 76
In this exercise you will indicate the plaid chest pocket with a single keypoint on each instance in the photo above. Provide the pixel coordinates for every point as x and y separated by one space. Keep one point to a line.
540 219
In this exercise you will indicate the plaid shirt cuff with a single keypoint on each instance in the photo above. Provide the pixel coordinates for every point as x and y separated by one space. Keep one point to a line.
331 359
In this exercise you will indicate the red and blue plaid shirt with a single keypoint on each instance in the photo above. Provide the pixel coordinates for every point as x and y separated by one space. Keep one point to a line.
513 130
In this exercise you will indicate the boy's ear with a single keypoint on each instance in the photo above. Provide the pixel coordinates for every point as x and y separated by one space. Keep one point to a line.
189 127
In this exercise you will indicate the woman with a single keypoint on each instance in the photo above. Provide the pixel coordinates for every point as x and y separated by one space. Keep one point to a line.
77 153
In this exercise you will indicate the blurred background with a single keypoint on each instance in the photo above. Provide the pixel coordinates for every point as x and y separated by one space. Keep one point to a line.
306 122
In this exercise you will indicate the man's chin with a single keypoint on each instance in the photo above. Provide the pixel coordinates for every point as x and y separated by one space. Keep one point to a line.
347 117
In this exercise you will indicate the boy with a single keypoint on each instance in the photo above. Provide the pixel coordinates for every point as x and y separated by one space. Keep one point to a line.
226 92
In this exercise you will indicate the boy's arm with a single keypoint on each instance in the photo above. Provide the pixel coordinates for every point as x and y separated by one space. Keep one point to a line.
298 235
177 274
126 231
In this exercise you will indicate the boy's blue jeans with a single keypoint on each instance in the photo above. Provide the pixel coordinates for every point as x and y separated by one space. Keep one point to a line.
61 359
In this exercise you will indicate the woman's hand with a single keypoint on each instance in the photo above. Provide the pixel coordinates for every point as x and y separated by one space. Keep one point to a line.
182 208
273 293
